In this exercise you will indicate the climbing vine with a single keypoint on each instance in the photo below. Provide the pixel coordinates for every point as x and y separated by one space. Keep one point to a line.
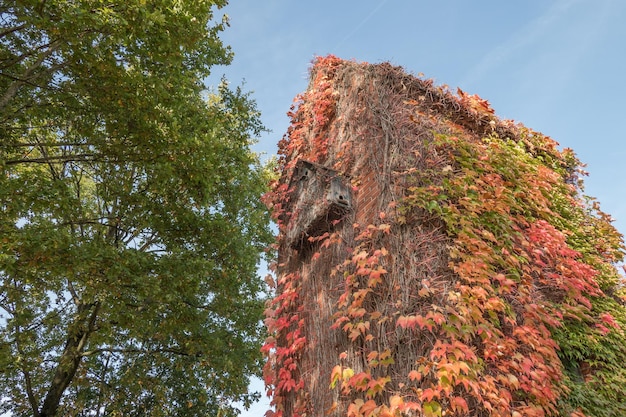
473 278
530 271
311 114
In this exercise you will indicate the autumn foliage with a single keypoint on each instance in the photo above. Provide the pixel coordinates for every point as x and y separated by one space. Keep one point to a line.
472 278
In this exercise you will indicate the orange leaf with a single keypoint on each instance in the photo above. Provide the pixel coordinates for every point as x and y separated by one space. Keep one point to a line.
428 394
368 408
335 376
415 376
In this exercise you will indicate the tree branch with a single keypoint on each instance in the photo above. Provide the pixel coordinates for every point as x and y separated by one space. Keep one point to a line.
19 58
53 171
50 144
146 351
149 242
32 400
73 293
25 77
101 393
57 158
8 31
29 392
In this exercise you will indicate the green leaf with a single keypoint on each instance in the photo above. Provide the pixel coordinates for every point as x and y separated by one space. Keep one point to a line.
131 223
431 409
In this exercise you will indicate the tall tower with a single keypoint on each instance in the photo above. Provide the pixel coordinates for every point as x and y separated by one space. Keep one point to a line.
426 264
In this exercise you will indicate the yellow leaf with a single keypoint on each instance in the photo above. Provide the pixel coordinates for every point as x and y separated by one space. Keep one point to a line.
395 402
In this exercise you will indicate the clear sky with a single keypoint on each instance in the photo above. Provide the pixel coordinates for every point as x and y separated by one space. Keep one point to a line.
557 66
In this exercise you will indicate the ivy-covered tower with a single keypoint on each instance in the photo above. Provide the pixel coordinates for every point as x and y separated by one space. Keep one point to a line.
436 260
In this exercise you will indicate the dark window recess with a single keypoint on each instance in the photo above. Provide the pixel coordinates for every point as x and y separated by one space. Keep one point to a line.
319 199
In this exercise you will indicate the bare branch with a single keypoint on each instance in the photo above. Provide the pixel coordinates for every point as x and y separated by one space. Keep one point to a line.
29 391
53 170
17 59
50 144
174 351
149 242
29 388
57 158
16 84
73 293
8 31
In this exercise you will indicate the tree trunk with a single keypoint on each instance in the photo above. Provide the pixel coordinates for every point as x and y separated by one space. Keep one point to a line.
69 361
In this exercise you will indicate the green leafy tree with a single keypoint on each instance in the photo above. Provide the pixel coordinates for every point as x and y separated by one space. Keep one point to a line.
130 221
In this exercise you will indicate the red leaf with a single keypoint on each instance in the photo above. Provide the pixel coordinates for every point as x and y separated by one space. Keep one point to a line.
459 404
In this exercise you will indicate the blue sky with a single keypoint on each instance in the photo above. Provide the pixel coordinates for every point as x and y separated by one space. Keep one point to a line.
557 66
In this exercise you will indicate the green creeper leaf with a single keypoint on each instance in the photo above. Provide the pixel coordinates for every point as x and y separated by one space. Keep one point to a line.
431 409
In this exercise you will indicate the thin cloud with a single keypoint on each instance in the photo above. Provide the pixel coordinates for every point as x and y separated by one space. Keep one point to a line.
360 25
527 35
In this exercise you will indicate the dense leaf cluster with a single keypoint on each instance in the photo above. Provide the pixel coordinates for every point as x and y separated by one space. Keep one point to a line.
543 257
131 226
